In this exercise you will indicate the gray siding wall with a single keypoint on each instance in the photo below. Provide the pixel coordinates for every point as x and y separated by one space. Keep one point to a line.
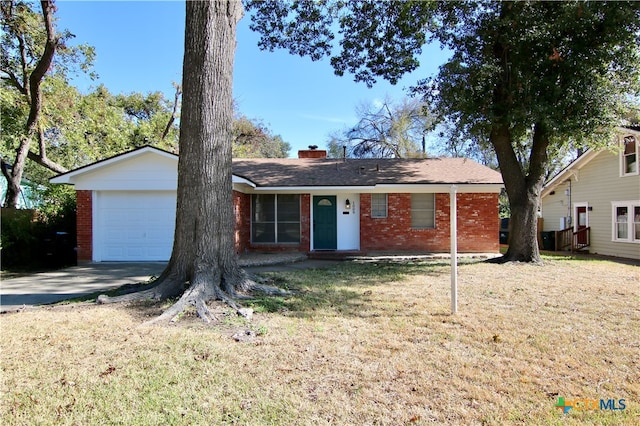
597 184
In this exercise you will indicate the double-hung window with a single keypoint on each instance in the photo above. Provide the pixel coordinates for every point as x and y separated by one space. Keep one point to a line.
629 156
275 218
423 211
379 205
626 221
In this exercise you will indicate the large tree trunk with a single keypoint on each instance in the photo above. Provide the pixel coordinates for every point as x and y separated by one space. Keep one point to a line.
523 189
523 236
203 256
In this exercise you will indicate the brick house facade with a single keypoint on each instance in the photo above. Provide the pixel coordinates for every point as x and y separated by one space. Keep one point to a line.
125 208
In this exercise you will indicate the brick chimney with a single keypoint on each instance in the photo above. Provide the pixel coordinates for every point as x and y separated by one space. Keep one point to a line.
312 152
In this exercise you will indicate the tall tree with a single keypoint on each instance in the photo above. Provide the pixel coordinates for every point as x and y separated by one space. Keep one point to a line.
203 255
49 122
528 76
390 130
21 44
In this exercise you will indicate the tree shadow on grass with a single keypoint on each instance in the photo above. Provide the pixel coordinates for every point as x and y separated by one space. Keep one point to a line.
344 289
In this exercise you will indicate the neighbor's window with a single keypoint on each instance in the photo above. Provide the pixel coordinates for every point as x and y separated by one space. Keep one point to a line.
379 205
626 221
629 156
423 211
275 218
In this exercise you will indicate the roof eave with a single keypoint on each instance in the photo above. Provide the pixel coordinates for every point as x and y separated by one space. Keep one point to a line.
383 188
566 173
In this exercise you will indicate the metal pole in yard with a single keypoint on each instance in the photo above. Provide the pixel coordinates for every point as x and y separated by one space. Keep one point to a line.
453 214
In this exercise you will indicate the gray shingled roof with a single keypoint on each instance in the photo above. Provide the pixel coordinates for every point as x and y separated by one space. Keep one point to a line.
289 172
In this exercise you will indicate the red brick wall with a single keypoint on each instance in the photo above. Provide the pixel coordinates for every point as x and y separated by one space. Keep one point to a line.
242 212
478 225
312 153
305 222
242 209
84 225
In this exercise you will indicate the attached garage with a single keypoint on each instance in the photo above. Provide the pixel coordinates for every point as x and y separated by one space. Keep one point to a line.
134 225
126 206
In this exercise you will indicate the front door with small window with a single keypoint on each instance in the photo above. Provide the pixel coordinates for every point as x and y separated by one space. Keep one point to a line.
325 235
582 223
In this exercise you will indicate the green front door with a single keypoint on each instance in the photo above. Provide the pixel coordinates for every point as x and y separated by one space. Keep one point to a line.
325 235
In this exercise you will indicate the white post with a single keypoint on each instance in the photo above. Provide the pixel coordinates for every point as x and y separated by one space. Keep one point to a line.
453 214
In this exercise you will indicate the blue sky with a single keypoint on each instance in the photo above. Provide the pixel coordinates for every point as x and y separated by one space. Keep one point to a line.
139 47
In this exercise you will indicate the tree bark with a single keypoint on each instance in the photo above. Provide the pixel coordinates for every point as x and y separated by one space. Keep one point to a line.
523 189
203 259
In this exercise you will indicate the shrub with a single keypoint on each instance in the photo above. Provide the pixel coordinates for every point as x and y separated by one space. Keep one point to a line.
43 238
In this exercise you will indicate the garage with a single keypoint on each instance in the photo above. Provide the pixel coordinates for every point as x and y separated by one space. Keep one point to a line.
134 225
126 206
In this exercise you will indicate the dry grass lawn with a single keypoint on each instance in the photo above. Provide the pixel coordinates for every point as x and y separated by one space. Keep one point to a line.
358 344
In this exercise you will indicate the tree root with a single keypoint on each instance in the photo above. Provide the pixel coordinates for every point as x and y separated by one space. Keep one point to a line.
197 295
103 299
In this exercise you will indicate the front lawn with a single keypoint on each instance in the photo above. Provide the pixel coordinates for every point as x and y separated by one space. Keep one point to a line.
360 343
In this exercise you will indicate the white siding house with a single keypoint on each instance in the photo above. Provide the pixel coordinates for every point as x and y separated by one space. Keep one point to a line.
599 190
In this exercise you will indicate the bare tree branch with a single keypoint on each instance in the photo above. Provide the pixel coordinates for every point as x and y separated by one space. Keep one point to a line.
45 162
13 80
42 158
174 113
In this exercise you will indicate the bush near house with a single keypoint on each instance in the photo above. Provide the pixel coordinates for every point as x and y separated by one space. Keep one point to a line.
42 238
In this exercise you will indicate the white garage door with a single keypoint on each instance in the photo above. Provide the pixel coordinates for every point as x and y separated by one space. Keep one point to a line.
134 225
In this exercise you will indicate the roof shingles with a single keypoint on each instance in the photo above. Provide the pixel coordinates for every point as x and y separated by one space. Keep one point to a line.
289 172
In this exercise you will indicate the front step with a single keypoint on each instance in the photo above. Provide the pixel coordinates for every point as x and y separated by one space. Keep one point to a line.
334 254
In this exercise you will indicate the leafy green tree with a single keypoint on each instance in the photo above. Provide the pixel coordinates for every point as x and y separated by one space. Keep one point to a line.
48 121
390 130
527 76
29 44
253 139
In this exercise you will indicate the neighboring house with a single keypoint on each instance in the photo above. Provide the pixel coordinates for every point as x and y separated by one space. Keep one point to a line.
28 199
126 205
594 203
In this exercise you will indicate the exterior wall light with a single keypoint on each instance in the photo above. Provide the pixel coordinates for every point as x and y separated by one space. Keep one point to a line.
347 204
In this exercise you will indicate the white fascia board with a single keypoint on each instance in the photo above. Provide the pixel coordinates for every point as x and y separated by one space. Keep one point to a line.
237 180
308 189
441 188
381 189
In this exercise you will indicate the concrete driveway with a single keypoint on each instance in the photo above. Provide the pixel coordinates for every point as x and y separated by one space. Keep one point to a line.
50 287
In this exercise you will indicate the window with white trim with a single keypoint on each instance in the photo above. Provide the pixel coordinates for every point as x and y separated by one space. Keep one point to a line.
379 205
629 156
626 221
275 218
423 211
